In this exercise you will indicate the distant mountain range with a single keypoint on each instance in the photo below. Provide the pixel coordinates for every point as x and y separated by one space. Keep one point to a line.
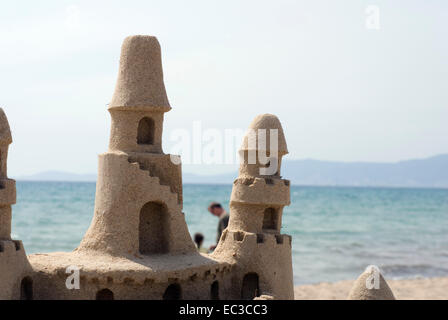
58 176
429 172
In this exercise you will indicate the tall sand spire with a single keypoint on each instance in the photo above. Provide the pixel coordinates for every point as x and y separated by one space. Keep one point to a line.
135 177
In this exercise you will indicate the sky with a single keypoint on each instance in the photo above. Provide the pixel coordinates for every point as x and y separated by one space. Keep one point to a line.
344 89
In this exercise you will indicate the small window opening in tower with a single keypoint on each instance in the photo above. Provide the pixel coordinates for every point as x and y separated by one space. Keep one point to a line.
270 218
145 133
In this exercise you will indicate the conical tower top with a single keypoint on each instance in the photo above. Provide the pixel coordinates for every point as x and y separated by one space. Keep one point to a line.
140 76
266 122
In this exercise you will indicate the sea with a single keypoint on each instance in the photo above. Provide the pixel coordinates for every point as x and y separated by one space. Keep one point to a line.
336 231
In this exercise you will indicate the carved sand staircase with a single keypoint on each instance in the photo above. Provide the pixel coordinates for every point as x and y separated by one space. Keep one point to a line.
164 186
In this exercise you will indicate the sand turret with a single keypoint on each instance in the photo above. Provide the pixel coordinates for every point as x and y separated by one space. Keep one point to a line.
14 267
371 285
138 207
259 194
262 255
7 186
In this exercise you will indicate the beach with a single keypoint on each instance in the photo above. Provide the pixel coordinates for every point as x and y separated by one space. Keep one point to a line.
409 289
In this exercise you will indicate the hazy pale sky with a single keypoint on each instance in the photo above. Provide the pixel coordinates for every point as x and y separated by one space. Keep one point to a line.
342 91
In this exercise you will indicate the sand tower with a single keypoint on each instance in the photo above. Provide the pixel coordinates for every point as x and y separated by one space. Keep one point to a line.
7 186
138 205
138 245
262 255
14 282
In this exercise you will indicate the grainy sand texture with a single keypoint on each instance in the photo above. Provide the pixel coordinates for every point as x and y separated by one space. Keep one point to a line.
412 289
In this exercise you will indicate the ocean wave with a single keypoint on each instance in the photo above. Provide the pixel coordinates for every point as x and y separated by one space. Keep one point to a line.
400 271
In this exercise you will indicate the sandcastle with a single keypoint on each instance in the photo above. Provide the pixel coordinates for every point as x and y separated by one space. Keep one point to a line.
138 245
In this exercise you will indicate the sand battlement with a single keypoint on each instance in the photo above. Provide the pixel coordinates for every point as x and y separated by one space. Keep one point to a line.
268 180
259 239
248 190
9 246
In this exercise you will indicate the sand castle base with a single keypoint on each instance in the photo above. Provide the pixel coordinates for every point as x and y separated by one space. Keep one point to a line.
145 277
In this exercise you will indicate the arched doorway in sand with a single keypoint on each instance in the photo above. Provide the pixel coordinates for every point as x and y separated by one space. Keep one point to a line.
153 228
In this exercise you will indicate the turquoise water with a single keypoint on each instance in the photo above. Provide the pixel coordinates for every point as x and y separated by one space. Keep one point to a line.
336 232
